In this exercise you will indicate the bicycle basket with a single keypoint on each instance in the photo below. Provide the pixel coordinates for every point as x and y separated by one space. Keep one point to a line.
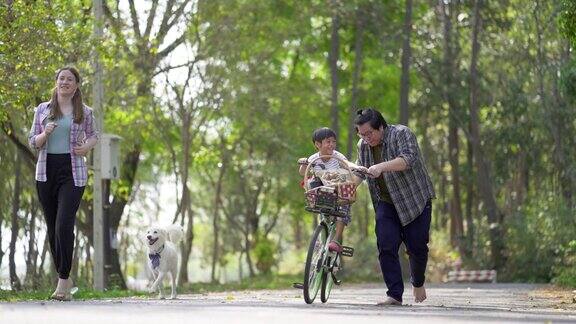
322 198
346 193
339 187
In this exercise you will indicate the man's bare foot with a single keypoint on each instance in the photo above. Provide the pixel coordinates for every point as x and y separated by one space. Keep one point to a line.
389 301
419 294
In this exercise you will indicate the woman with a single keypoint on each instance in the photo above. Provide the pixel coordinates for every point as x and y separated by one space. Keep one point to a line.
63 132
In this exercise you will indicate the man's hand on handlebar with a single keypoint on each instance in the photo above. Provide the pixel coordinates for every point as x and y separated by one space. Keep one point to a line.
361 170
303 161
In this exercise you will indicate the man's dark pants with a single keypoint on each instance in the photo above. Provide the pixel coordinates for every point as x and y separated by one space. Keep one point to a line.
390 234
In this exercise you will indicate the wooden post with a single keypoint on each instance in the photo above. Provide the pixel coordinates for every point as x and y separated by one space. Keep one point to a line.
97 94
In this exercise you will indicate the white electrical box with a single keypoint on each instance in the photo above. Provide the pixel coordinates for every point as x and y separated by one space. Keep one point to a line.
110 148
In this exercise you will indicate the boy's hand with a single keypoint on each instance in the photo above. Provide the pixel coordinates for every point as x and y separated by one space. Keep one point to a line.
303 161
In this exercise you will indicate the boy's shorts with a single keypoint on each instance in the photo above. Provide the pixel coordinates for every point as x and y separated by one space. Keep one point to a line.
345 209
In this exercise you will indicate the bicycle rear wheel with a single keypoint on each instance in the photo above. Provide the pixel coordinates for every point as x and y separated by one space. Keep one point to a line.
328 282
313 270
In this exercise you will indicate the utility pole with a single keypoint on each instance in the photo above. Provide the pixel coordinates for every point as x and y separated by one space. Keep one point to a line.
97 99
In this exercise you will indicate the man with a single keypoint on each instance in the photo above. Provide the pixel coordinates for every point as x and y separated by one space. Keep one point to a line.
401 191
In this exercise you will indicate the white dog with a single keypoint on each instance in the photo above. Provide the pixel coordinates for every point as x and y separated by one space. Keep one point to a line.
163 255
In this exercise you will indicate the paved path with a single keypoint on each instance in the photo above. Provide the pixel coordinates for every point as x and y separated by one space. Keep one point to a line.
457 303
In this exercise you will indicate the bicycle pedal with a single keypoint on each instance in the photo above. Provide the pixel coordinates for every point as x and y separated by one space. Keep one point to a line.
298 285
347 251
335 280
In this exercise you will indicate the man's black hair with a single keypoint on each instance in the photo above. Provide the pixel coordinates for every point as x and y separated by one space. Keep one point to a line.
321 134
369 115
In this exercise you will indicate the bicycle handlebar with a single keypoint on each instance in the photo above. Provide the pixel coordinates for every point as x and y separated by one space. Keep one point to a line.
362 172
311 164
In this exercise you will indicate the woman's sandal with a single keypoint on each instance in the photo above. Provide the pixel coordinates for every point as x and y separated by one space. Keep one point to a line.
65 295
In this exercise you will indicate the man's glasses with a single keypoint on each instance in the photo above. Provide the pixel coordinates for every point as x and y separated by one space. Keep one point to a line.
366 134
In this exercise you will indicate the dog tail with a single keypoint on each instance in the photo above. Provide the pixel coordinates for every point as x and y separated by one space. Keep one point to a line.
175 233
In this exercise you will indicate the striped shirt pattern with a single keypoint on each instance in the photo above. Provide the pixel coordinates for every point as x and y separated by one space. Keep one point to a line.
410 189
79 133
332 164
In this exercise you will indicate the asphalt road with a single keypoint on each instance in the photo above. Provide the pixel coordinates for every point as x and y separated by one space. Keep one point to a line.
455 303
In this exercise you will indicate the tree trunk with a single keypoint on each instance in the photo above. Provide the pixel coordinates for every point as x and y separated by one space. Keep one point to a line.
45 248
554 111
14 281
87 273
185 201
116 277
483 170
1 251
248 248
456 222
216 219
216 241
444 199
253 211
76 256
406 53
186 245
240 268
298 235
470 202
32 255
358 57
333 62
367 211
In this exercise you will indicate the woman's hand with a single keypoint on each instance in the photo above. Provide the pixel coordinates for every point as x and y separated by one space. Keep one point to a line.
50 128
83 149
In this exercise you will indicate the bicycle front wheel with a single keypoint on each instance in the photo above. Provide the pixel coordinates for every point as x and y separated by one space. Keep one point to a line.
314 261
328 280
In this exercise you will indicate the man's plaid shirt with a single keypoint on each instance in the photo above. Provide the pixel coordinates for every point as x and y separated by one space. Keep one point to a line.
410 189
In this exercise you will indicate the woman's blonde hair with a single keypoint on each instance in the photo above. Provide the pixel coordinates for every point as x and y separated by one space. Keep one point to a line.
77 102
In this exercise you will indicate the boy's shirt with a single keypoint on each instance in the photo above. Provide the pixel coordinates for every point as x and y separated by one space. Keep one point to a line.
332 164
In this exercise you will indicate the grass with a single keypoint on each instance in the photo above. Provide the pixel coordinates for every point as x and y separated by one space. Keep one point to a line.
82 294
272 281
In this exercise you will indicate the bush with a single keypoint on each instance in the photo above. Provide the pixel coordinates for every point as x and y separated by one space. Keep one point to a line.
565 272
265 254
540 241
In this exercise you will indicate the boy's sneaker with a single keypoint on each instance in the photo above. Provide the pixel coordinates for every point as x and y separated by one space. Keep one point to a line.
334 246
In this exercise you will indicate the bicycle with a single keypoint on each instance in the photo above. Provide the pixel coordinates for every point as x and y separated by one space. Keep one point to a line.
321 263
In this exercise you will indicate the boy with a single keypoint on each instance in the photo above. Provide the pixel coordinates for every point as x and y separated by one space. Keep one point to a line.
324 140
